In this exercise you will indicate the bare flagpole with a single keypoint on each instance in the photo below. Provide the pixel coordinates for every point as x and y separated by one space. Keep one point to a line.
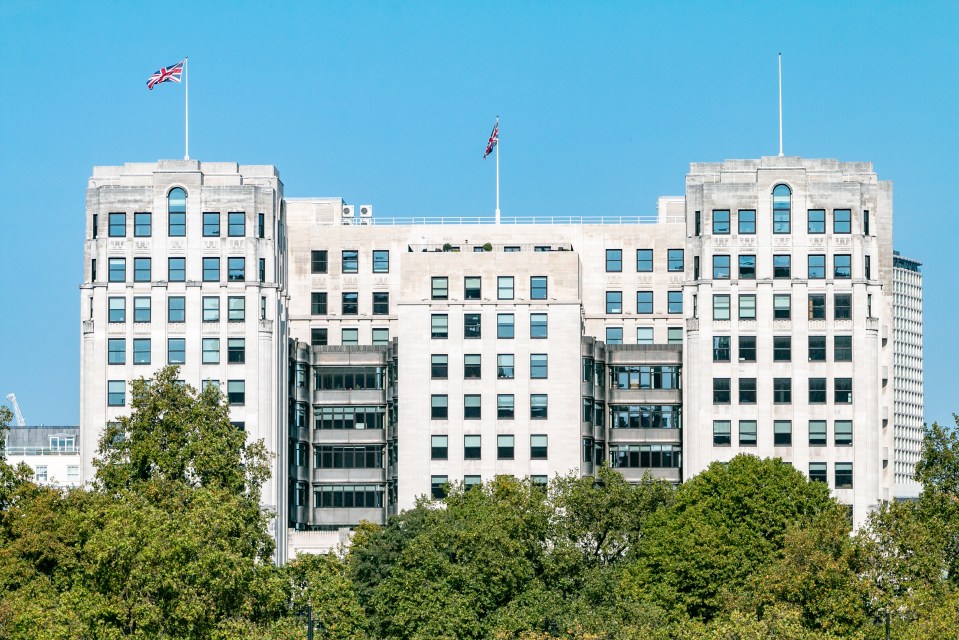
780 103
186 120
497 169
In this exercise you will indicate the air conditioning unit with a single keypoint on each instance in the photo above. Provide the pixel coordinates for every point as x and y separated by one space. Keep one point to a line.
366 221
366 211
349 210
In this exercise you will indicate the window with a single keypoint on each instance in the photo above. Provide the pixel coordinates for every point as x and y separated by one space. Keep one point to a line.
644 260
117 270
721 267
472 447
349 337
747 306
141 269
842 306
782 348
782 303
211 224
439 326
817 391
841 221
674 260
504 287
472 288
318 303
538 288
843 433
440 288
211 351
867 267
721 306
816 221
141 351
844 475
381 303
236 309
117 309
747 433
262 307
614 301
319 337
472 366
817 348
118 225
817 433
211 309
351 303
260 225
116 393
817 306
472 407
472 326
116 351
842 266
318 261
538 406
614 260
504 447
817 472
782 266
747 348
176 350
505 325
782 198
644 335
381 261
747 221
747 391
721 391
141 310
721 433
504 406
842 391
816 267
176 210
439 447
674 303
439 407
511 249
236 269
504 366
262 265
720 348
176 309
211 269
538 365
782 390
720 221
351 261
439 366
538 447
538 325
614 335
142 224
236 224
236 350
782 433
699 223
176 269
842 348
73 473
747 267
865 222
644 302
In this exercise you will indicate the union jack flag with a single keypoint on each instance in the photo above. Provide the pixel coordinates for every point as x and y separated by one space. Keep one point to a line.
167 74
493 139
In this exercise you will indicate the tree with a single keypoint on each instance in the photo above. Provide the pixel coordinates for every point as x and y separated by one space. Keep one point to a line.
724 525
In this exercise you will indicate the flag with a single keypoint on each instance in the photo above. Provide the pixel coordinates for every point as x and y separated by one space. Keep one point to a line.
167 74
493 139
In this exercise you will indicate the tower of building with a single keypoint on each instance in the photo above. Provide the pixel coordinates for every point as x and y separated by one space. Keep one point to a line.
907 372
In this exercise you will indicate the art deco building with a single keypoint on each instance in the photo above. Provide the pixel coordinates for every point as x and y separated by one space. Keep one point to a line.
382 359
907 372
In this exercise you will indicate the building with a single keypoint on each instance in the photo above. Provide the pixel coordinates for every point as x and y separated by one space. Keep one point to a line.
381 359
907 372
52 453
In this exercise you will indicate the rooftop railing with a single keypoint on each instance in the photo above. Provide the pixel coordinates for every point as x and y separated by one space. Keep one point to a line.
454 220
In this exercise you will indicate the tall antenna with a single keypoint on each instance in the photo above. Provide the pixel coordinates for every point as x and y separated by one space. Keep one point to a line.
780 103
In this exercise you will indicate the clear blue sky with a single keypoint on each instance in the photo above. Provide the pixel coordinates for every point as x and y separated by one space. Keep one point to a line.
603 106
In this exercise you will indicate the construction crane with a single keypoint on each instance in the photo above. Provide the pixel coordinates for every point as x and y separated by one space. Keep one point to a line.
17 416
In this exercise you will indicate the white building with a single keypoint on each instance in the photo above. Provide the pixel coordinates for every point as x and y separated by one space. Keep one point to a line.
52 453
907 372
751 315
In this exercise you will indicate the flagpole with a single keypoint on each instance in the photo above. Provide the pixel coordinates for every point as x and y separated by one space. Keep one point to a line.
186 107
497 170
780 103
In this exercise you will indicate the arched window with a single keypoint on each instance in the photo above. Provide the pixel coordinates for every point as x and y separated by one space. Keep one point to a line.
176 210
782 201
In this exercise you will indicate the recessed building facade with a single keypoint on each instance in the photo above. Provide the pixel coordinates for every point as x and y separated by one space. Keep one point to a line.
381 360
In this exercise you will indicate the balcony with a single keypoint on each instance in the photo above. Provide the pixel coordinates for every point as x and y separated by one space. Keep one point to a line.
654 436
354 476
349 436
348 517
359 397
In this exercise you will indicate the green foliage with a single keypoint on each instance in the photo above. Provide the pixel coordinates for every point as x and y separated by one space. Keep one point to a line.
321 583
724 525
